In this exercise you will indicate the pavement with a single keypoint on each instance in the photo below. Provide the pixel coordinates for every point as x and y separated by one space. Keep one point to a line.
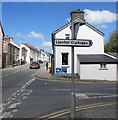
46 75
92 112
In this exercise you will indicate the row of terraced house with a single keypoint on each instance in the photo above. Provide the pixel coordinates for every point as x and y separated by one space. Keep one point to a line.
12 54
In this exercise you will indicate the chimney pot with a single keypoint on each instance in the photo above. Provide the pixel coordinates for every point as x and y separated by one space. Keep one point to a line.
77 14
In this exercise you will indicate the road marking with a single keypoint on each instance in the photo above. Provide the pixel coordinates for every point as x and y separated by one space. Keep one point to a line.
14 105
15 100
107 96
81 95
6 115
85 95
84 108
15 110
62 89
79 108
4 75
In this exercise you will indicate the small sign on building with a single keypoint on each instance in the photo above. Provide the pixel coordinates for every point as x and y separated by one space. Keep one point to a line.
61 70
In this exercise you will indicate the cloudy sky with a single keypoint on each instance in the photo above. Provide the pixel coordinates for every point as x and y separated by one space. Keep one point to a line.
33 22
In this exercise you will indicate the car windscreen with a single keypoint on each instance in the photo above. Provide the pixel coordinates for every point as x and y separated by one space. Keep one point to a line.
34 63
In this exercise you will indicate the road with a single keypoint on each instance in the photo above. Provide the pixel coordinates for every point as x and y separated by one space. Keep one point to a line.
27 97
14 78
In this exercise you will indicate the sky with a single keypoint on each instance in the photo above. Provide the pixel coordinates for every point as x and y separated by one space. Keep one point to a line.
34 22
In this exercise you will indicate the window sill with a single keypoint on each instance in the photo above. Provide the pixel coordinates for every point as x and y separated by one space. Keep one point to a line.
67 66
103 69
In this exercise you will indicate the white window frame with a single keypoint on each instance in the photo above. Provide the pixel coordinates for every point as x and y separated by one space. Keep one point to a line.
67 36
103 66
62 61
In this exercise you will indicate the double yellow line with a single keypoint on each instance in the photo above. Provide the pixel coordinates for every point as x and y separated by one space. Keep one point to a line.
67 111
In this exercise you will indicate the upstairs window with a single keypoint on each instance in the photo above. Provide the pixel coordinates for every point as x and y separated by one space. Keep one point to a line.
64 58
67 36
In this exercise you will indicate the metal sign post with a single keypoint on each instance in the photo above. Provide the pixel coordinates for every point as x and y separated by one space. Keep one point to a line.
73 43
74 31
72 86
72 75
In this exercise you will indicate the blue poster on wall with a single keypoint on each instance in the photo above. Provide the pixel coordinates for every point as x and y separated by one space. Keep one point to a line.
61 70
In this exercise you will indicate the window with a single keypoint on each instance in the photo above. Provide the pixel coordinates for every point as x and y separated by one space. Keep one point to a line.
103 66
67 36
64 58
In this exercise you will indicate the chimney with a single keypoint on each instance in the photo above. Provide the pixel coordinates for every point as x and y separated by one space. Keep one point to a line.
76 14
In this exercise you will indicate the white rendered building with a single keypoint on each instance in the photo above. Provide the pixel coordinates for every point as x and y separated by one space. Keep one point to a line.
28 53
90 62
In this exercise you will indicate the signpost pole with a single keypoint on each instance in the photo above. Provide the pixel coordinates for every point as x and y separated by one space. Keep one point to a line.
72 76
72 87
73 42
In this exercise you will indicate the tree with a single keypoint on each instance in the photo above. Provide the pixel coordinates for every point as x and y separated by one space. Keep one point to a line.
112 45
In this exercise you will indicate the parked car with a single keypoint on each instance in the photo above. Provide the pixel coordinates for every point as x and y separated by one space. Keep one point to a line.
34 65
40 61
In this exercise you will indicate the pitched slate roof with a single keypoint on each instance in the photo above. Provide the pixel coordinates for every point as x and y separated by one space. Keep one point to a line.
95 59
2 29
30 46
78 19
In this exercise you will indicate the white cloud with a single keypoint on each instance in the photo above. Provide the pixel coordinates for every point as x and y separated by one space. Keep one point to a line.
68 19
32 34
19 35
47 45
99 17
102 26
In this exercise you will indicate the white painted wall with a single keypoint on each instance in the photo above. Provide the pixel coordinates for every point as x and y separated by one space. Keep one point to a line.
85 32
90 71
93 71
58 57
44 56
28 53
98 43
61 34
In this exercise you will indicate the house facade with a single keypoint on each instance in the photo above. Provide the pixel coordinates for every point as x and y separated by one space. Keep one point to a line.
1 44
90 62
10 52
28 53
45 56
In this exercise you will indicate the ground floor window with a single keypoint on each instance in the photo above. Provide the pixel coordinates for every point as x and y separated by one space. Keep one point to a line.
103 66
64 58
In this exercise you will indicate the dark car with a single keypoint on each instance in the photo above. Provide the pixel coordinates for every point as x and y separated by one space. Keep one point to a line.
34 65
40 61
